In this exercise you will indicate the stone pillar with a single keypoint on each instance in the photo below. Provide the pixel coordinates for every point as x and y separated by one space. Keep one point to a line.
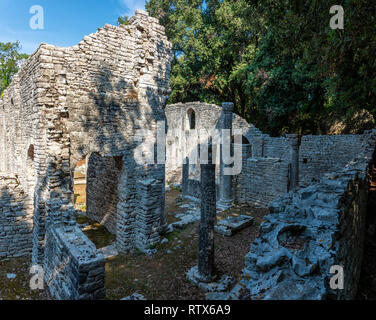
147 224
208 217
294 160
258 147
226 194
185 177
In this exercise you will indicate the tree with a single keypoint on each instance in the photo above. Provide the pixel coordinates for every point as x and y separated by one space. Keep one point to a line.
123 20
277 60
10 61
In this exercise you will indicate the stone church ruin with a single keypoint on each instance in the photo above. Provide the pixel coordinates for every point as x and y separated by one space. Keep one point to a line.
86 109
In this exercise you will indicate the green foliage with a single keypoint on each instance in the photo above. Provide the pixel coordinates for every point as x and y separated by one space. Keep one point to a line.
10 61
123 20
277 60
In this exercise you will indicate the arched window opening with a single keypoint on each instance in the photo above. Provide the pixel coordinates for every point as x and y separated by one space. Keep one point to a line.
30 153
191 119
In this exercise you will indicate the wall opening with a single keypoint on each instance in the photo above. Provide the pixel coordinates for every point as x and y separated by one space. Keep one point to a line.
79 185
191 119
102 179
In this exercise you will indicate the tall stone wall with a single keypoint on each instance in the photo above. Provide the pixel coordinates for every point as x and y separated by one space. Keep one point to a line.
95 97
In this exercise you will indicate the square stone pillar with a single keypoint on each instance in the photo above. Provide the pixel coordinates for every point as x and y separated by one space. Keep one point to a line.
294 160
148 224
226 189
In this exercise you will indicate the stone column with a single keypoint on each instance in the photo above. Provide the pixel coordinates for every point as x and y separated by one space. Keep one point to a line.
226 194
208 218
294 160
147 224
185 177
258 147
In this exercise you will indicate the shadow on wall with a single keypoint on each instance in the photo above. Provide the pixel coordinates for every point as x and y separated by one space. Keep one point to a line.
16 222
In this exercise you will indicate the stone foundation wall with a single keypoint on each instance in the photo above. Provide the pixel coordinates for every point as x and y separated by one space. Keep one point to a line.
16 219
74 270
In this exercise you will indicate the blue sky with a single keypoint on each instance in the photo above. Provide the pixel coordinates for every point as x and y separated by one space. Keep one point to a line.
66 22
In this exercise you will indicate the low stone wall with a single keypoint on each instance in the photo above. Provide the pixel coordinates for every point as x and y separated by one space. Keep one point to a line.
74 270
16 219
307 233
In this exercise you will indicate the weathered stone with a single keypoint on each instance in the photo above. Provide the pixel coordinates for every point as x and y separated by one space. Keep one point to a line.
232 224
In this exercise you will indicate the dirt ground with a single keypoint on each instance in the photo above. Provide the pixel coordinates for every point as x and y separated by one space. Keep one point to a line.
18 288
162 276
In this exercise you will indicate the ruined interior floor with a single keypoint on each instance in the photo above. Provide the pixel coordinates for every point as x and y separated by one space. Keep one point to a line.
161 276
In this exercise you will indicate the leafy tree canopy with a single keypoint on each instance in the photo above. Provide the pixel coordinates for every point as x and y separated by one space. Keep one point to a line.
278 60
10 61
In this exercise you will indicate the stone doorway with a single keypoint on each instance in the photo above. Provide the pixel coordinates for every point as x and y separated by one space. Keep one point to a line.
96 181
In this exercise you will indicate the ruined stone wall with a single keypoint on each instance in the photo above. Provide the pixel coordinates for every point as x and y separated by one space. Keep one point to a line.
322 154
23 135
16 219
308 232
97 95
93 97
20 123
74 270
276 148
241 181
267 178
317 155
209 117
